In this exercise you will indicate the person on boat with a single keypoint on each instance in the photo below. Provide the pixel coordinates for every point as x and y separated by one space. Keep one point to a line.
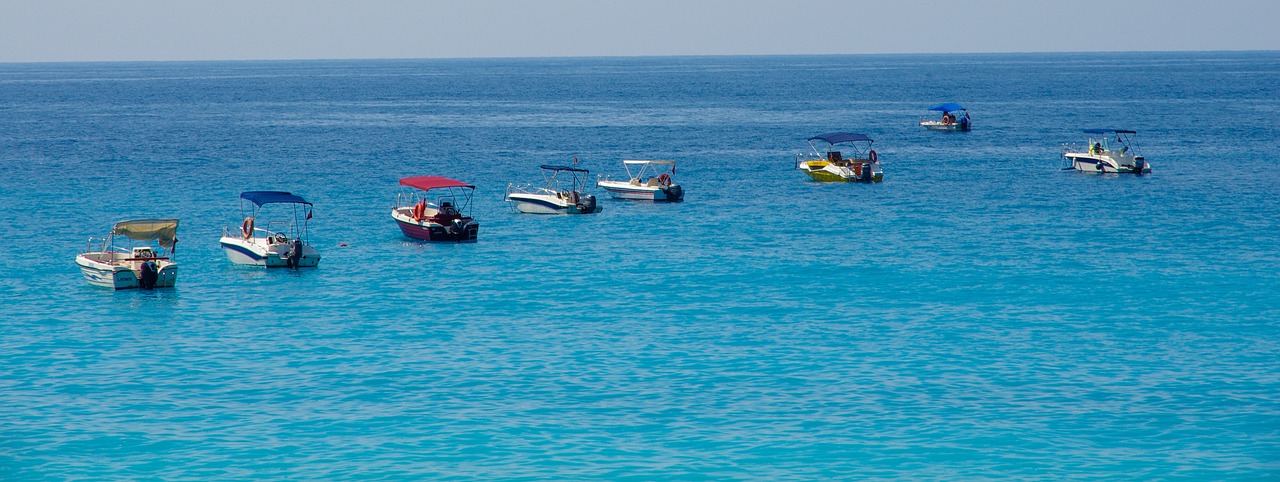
1096 149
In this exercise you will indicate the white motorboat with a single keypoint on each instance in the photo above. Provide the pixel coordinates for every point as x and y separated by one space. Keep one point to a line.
650 181
1106 156
443 220
860 164
553 199
954 118
121 267
273 243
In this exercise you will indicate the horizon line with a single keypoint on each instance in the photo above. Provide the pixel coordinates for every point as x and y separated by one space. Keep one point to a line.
552 57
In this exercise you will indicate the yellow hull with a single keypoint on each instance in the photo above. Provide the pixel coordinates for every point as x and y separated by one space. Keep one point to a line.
815 170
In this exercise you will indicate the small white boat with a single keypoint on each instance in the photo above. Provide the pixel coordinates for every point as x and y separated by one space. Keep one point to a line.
860 164
442 220
1118 156
651 181
276 243
552 199
951 121
145 267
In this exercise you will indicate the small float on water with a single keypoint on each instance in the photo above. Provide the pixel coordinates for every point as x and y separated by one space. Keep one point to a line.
1105 155
552 199
651 181
125 267
860 164
446 217
271 243
955 118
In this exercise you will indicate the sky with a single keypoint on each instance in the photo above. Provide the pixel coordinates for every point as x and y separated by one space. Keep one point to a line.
128 30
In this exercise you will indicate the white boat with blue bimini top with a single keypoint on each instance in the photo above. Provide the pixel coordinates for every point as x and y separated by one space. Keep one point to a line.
125 267
860 164
955 118
651 181
555 198
275 243
1105 155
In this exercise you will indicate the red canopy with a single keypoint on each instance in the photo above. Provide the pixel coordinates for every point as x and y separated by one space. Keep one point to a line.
427 183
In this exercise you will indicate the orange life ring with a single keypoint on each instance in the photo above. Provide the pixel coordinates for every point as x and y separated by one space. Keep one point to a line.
664 179
419 210
246 228
872 156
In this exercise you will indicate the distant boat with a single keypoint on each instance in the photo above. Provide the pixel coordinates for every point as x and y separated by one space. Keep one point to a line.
273 243
860 164
651 181
446 218
954 118
1104 156
551 199
125 267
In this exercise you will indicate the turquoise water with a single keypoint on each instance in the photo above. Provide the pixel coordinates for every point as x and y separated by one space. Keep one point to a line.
979 314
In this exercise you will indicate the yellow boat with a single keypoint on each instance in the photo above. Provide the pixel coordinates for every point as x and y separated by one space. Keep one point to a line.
833 165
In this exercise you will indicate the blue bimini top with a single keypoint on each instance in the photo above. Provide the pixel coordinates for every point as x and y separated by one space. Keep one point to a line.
272 197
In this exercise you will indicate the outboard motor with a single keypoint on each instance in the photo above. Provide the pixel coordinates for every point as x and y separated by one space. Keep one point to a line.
867 175
587 203
1139 165
674 192
149 275
457 229
295 254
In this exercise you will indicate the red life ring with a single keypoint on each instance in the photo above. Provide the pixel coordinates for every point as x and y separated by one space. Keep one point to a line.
246 228
664 179
419 210
872 156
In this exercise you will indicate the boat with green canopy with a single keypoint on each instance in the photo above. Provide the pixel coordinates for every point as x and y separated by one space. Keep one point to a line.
136 253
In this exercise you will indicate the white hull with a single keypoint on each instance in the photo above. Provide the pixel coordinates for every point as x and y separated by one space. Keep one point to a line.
1104 163
271 252
642 192
552 203
123 273
940 126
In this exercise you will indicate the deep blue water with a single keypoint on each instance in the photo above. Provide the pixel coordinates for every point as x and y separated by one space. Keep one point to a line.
979 314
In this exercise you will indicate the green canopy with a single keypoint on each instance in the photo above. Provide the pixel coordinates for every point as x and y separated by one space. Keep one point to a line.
163 230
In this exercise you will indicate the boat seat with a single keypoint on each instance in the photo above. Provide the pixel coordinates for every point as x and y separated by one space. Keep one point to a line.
635 181
653 182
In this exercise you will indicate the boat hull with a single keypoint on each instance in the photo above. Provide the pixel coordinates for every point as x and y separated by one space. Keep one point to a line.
625 190
952 127
552 204
823 171
466 231
257 251
1099 163
124 275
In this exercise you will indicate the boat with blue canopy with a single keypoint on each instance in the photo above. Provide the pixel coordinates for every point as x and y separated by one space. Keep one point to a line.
845 157
557 195
955 118
1108 150
281 241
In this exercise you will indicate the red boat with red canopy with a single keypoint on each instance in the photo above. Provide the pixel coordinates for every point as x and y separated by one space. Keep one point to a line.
439 210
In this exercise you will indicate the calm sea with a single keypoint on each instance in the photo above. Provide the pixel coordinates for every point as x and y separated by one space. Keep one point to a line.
979 314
